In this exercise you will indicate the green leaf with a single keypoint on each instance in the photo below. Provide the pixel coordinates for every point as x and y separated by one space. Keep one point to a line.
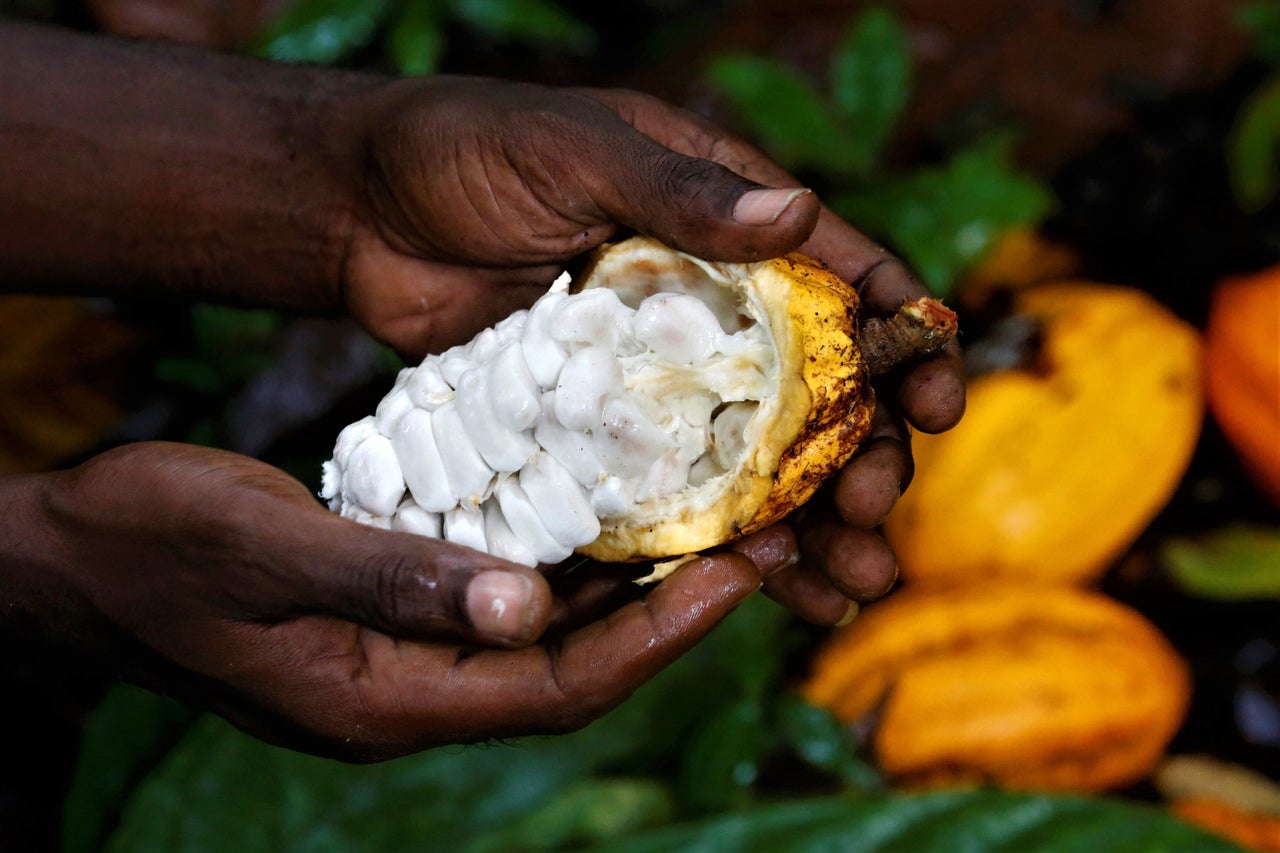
584 813
1237 563
222 790
871 82
943 219
321 31
827 744
416 39
722 760
968 822
785 112
1252 147
129 731
536 21
1262 21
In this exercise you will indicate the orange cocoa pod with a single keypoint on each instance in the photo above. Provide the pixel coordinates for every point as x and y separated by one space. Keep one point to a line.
1058 467
1025 687
1242 371
1252 830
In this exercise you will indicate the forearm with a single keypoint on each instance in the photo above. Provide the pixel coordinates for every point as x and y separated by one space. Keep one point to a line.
140 169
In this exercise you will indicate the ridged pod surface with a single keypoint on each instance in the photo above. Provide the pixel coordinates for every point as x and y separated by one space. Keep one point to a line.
806 430
1057 467
1017 685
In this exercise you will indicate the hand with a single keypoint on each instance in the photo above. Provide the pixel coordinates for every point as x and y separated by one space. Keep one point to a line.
840 559
477 193
474 193
221 580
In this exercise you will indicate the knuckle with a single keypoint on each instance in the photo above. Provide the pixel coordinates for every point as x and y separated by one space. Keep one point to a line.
390 583
693 184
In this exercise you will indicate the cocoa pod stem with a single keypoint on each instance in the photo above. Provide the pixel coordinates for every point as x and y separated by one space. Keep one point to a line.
920 328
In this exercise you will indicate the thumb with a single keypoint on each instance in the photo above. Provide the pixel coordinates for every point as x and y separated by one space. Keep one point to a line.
702 207
414 587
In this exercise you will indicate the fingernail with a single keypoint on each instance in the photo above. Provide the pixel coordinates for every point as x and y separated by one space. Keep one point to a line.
498 604
849 615
763 207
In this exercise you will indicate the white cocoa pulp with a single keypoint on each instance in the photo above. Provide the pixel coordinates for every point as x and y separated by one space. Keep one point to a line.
523 441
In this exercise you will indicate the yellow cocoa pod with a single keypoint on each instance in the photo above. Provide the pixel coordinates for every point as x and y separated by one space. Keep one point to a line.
1059 466
1022 686
659 405
818 407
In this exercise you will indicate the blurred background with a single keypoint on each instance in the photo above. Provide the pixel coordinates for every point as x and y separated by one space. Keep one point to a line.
1084 649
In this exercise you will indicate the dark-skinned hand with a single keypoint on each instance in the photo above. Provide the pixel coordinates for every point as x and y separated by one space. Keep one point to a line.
475 193
221 580
427 209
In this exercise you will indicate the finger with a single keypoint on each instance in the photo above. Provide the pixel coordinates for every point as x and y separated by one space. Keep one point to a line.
408 586
562 688
772 549
854 256
667 178
585 596
800 588
867 488
807 592
704 209
364 696
588 595
858 562
932 394
849 252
